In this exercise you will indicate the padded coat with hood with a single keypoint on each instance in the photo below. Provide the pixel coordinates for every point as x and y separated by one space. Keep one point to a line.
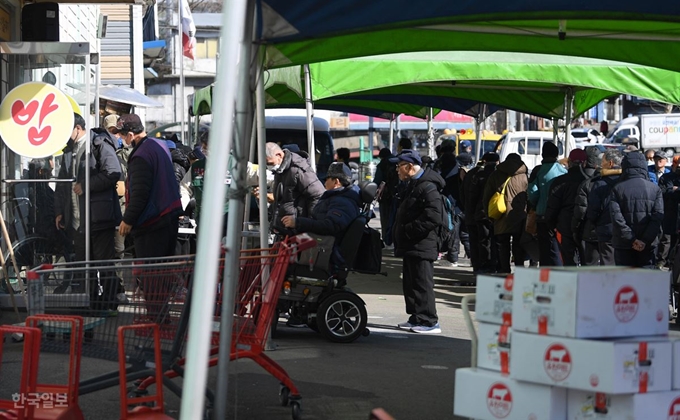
671 201
636 206
297 189
599 197
515 195
539 188
105 171
562 198
418 217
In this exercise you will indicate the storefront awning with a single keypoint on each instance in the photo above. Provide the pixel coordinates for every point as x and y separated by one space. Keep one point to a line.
121 94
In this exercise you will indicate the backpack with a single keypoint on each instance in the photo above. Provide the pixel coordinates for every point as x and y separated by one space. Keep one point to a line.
445 230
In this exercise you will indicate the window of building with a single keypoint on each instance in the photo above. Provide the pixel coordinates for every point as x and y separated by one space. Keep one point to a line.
206 48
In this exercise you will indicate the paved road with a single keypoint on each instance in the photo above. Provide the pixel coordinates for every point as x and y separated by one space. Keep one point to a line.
409 375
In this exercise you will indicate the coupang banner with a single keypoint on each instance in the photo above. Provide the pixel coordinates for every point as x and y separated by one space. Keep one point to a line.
36 120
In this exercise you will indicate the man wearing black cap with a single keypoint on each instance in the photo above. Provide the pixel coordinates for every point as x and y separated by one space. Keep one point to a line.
539 190
335 210
152 193
418 219
560 209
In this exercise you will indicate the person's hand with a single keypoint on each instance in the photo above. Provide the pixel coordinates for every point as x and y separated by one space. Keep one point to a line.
77 189
270 197
124 229
57 222
638 245
288 221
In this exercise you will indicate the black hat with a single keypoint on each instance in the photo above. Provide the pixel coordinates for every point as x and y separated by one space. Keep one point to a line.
408 155
550 150
385 153
129 122
340 171
464 159
491 157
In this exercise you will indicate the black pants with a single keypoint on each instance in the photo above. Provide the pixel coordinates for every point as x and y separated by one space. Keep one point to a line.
606 253
104 284
664 249
157 286
570 250
418 286
509 242
385 216
460 235
488 251
591 253
548 248
473 237
633 258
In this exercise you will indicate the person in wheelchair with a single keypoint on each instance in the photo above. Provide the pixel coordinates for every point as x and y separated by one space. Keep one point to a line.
335 211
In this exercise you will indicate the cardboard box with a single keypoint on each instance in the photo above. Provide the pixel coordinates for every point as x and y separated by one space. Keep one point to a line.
610 366
493 347
494 299
591 302
486 395
582 405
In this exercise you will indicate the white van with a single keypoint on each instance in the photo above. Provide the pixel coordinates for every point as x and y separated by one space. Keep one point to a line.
627 128
527 144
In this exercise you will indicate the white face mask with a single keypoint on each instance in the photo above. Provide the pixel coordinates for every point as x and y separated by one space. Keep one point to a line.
273 167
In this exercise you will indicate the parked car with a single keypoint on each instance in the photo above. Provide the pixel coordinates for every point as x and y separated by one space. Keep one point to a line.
528 144
587 135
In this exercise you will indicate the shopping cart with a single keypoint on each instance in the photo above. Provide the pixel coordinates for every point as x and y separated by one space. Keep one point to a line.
261 275
162 296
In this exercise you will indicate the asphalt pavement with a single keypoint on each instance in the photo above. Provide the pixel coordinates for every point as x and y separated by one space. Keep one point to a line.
409 375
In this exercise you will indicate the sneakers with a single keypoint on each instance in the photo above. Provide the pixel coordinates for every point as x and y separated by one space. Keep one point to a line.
405 326
445 263
423 329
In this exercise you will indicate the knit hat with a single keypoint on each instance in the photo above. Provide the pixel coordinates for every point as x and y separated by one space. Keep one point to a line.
594 157
340 171
490 157
578 156
550 150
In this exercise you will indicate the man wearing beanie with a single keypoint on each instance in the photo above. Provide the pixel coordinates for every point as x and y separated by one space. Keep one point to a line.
539 190
560 209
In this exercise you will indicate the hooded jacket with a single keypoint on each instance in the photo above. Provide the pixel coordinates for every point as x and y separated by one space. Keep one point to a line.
468 195
515 195
597 211
297 189
562 199
636 206
539 188
477 190
418 217
581 227
450 172
671 201
105 171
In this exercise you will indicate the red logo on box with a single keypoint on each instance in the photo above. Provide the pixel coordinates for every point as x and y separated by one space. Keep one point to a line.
509 282
674 410
626 304
557 362
499 400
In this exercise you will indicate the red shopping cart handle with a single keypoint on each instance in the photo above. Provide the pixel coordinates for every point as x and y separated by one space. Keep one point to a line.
302 241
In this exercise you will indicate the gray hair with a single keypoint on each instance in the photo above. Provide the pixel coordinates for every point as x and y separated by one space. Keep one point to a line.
273 149
614 156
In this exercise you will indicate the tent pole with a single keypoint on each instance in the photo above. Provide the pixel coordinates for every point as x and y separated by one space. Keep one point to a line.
430 134
237 193
180 53
208 247
309 106
391 143
394 147
262 154
568 110
478 133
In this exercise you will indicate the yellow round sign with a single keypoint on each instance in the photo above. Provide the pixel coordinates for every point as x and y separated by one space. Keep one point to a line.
36 120
74 105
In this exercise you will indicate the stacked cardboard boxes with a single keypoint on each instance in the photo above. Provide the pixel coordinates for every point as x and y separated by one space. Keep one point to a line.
586 343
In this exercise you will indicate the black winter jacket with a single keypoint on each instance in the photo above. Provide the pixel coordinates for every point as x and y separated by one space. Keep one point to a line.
597 212
105 172
671 200
297 189
180 164
636 205
418 216
450 172
581 227
562 198
477 190
468 195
